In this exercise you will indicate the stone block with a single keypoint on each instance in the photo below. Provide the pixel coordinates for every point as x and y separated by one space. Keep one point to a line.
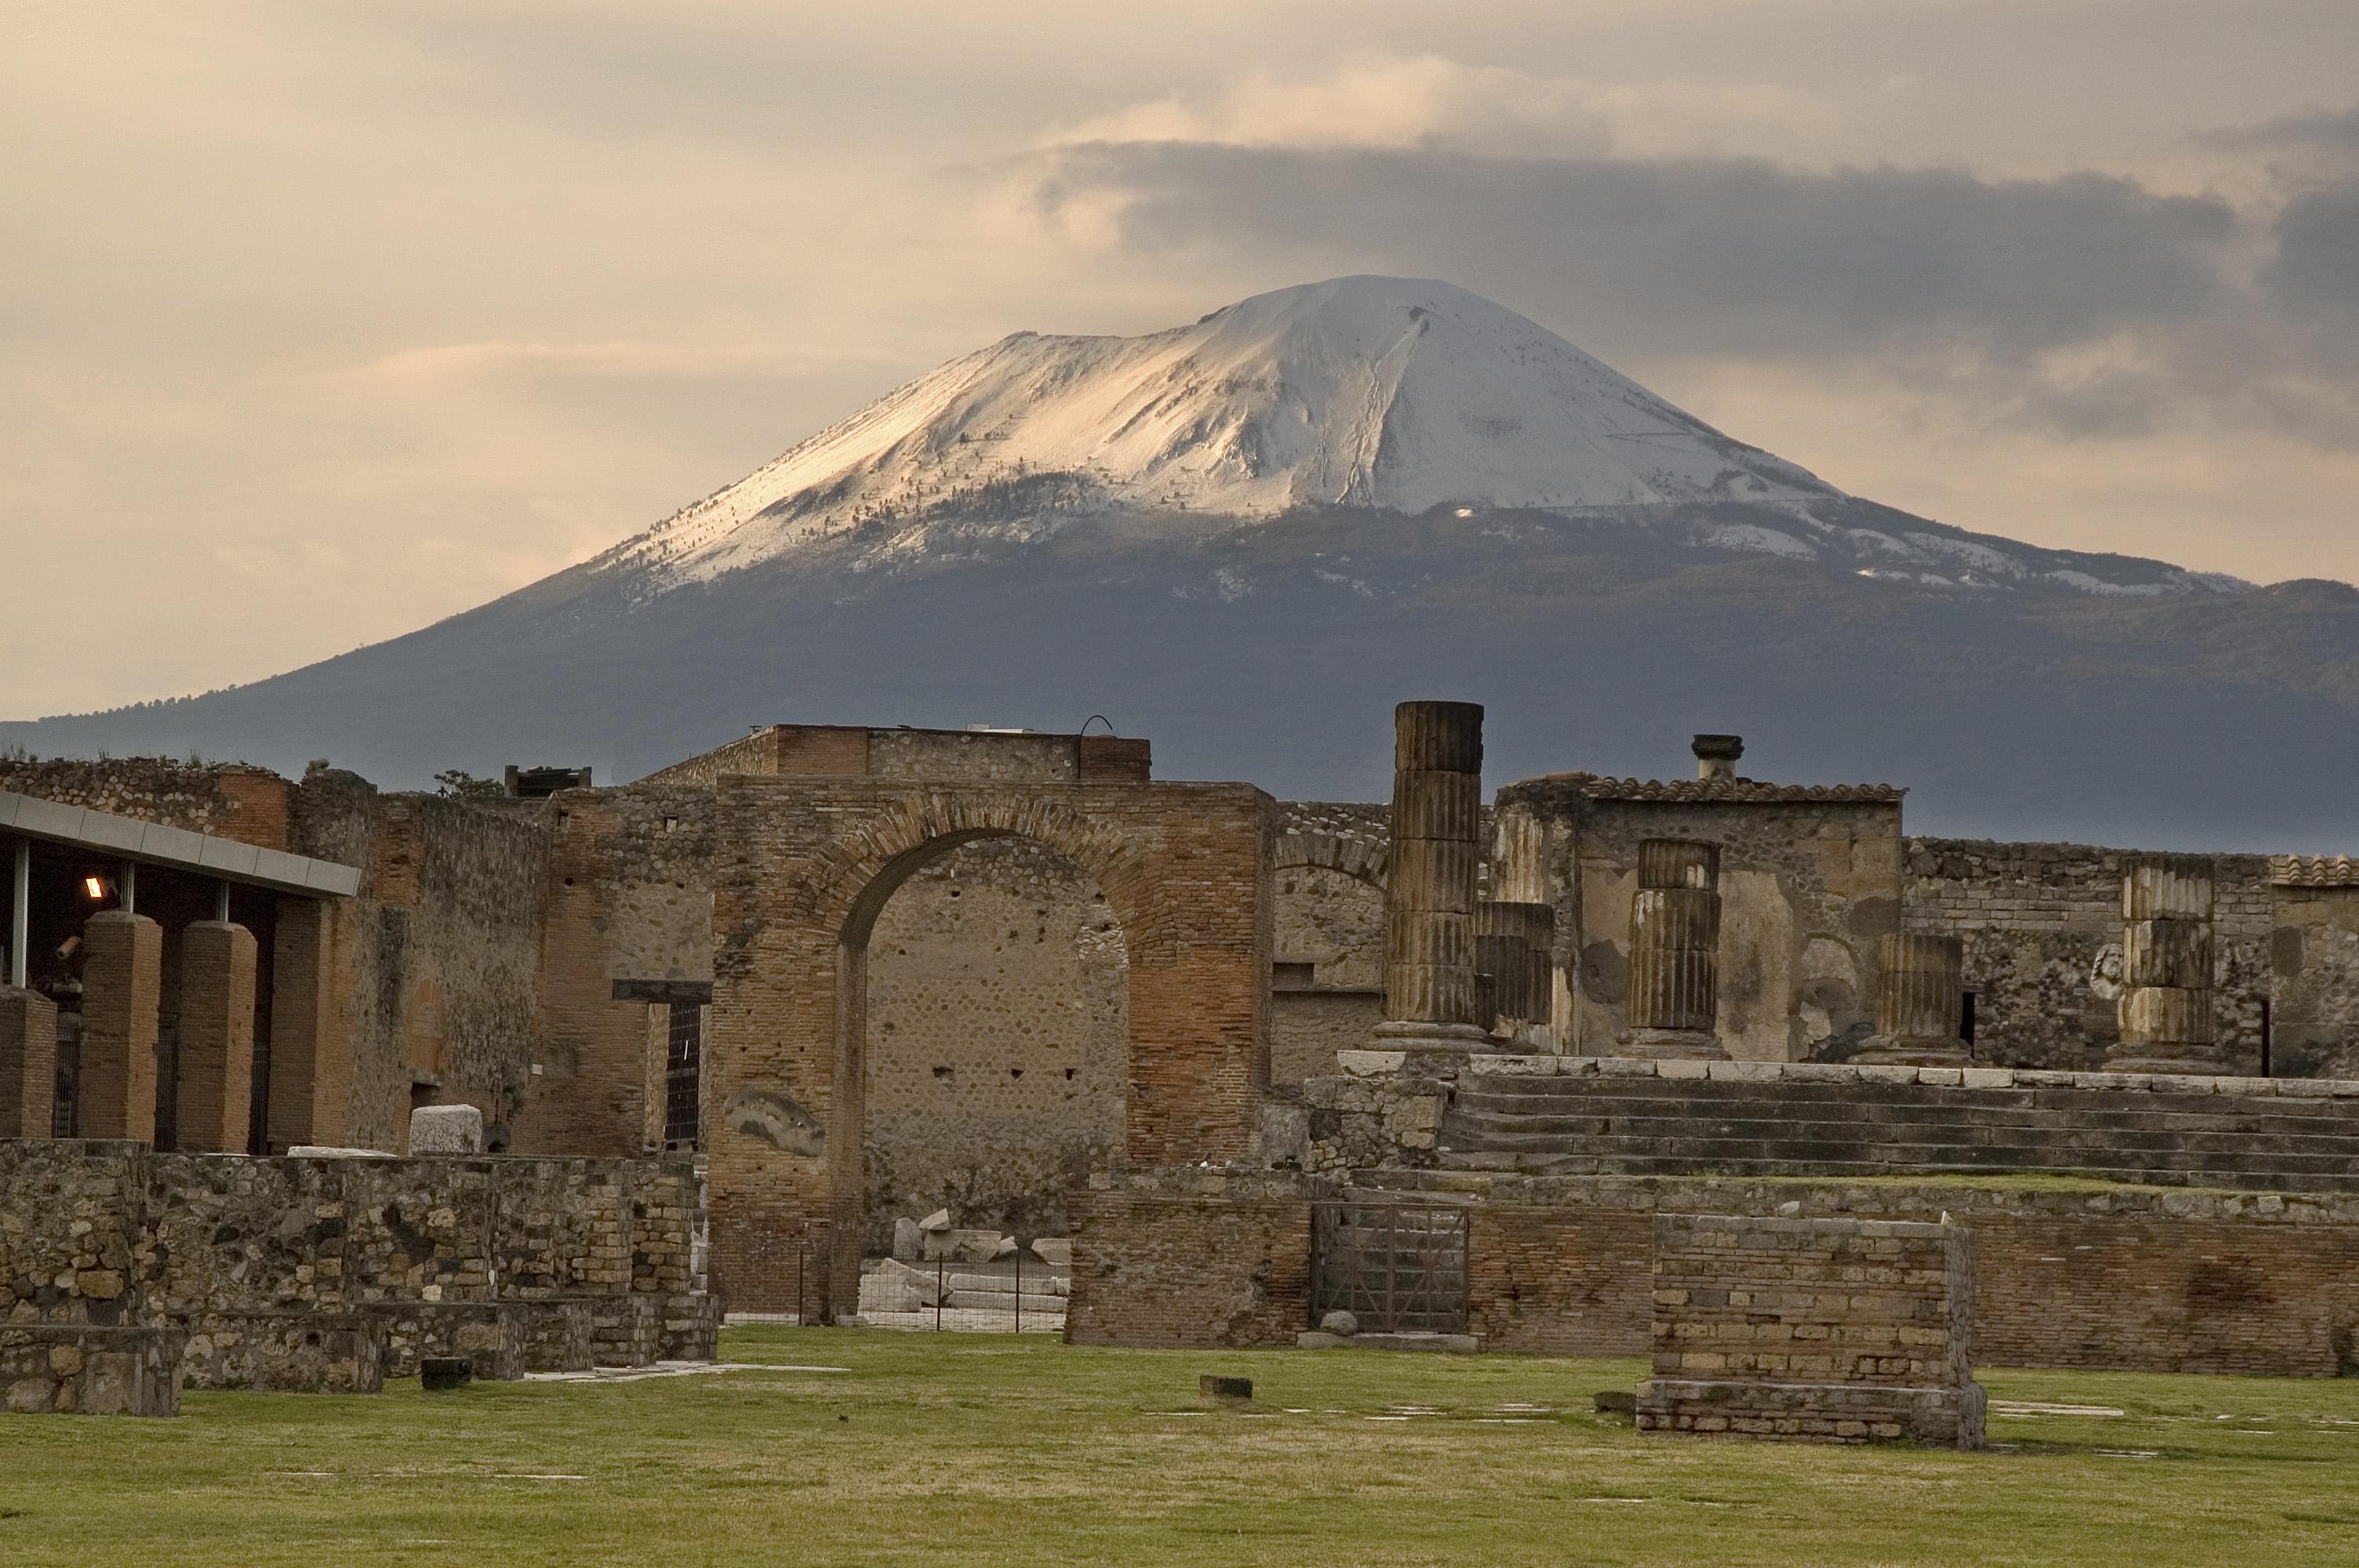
284 1352
1057 1251
446 1130
88 1369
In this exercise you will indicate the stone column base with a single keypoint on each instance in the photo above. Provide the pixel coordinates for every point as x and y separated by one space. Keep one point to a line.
1408 1035
1911 1052
1677 1045
2186 1061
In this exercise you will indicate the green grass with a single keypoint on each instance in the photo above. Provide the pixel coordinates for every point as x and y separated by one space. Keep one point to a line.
969 1449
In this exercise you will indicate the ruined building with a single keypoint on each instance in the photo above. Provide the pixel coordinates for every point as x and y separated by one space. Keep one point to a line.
860 975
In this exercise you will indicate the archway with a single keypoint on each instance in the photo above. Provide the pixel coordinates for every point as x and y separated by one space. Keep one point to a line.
1326 983
994 1042
805 869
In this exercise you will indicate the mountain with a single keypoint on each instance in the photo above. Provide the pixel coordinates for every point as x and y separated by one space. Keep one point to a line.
1247 537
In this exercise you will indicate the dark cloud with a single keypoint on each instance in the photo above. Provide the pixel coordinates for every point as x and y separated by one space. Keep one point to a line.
2317 262
1706 255
2320 130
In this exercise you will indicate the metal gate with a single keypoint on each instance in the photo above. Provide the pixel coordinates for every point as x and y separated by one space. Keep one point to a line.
683 1072
1399 1268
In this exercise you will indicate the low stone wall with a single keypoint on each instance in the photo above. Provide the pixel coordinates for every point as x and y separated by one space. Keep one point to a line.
2101 1278
333 1272
1827 1330
86 1369
1190 1258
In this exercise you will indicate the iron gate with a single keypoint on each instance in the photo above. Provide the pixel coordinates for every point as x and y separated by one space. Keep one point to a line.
1399 1267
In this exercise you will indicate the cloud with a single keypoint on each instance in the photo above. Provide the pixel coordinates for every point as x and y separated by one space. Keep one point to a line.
1705 255
1431 101
2322 130
2316 263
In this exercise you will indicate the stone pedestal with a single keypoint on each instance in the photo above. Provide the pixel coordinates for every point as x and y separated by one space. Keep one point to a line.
215 1080
1920 1001
29 1062
1675 951
446 1130
123 972
2166 1018
1430 1002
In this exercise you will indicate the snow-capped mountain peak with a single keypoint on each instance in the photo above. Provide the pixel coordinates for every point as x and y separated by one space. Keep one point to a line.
1392 394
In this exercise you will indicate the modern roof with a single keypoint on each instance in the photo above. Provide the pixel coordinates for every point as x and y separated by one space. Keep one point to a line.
154 844
1720 791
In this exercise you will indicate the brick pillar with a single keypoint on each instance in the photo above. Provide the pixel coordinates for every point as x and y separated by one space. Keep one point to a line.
1919 1001
123 982
1675 951
310 1046
2166 1006
29 1062
1429 890
216 1066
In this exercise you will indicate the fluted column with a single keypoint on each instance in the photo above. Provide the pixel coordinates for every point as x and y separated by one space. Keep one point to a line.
1675 951
2167 1024
1429 891
1919 1001
1513 946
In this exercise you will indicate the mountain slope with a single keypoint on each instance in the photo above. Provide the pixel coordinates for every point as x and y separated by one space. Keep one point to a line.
1248 537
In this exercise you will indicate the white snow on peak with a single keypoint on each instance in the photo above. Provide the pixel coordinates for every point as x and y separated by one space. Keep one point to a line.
1392 394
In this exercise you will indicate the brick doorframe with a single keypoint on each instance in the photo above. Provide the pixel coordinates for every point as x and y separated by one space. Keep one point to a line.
803 867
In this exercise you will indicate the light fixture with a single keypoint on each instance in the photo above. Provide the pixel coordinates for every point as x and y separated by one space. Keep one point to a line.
94 886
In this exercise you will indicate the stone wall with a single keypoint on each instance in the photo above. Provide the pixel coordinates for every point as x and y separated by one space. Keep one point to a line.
232 800
249 1255
1809 879
629 898
1825 1330
2099 1278
807 867
1184 1258
998 1041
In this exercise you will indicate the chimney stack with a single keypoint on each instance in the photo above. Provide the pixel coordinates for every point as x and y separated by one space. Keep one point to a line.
1716 755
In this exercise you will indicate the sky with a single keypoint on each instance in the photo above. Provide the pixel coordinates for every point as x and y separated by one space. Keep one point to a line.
320 322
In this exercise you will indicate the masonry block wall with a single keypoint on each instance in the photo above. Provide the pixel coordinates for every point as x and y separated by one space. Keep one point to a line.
98 1232
1810 878
234 800
1831 1330
998 1058
29 1062
2039 920
807 866
629 896
1158 1264
2105 1280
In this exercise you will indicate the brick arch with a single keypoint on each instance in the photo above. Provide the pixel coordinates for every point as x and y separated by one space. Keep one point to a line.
805 865
1353 858
852 882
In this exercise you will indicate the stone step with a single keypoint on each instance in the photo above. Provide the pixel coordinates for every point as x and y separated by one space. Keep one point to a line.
1463 1129
1703 1138
1664 1166
1897 1103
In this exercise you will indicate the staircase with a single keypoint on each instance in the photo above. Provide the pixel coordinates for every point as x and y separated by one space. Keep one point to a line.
1576 1125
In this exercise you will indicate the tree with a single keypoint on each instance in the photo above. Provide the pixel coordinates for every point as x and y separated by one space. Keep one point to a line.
457 783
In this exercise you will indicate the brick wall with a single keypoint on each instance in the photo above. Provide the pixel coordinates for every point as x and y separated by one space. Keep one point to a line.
235 800
805 866
2110 1279
1152 1268
1835 1330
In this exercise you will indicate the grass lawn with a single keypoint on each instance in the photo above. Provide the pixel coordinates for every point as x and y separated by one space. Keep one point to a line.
952 1449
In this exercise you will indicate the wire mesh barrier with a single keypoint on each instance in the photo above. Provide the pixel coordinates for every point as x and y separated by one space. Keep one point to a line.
1018 1293
1397 1268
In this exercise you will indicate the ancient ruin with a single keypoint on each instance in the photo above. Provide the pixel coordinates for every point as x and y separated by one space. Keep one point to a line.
906 1019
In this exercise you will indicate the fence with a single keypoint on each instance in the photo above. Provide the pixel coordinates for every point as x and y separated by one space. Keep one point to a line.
1016 1294
1399 1268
